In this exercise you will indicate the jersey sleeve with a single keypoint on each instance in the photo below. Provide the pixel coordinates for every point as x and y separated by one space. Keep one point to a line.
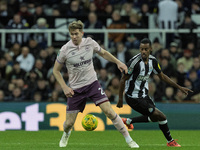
61 56
156 67
130 65
96 47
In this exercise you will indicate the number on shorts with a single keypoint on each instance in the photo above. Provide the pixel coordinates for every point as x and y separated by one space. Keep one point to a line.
102 92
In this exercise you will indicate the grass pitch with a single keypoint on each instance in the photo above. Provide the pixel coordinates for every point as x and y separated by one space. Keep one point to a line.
90 140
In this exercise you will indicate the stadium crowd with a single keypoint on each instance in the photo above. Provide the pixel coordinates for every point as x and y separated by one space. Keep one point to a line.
26 62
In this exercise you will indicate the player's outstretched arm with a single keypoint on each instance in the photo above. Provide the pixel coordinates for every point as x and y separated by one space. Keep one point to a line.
56 71
121 89
108 56
165 78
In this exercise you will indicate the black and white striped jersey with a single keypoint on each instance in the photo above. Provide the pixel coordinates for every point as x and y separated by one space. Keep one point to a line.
137 85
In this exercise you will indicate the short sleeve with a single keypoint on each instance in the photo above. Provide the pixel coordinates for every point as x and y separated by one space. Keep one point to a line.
156 67
97 47
61 58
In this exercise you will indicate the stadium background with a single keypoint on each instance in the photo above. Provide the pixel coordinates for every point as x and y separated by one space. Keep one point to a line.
37 87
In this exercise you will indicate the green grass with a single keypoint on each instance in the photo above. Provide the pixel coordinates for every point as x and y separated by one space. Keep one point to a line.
106 140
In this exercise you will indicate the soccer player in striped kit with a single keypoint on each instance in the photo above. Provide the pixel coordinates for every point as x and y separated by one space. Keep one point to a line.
135 84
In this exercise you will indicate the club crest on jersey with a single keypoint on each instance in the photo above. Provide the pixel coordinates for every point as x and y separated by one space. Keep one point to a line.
130 70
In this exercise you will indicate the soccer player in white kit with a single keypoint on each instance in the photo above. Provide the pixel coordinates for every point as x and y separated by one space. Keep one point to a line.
77 55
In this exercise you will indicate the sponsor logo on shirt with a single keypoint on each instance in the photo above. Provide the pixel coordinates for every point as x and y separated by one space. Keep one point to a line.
143 78
82 63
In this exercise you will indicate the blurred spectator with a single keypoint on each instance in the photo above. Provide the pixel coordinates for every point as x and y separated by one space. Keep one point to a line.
4 9
108 10
179 96
26 59
168 17
128 9
17 72
191 46
40 69
9 89
114 87
9 59
100 4
34 47
122 53
16 95
117 23
167 68
5 69
94 23
41 38
54 96
133 39
37 97
15 50
56 12
104 78
180 73
186 60
92 7
14 4
3 83
46 60
188 84
2 96
144 15
193 77
196 65
23 10
17 23
75 9
31 81
156 47
169 94
43 89
39 12
51 56
189 37
51 81
173 49
181 12
160 88
166 54
195 7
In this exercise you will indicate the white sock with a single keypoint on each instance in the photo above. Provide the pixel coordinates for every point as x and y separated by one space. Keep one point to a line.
128 139
119 125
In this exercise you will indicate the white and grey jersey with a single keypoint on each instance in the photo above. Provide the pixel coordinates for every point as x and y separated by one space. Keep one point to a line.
137 85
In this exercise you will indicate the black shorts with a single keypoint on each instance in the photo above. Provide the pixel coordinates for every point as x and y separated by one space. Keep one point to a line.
144 105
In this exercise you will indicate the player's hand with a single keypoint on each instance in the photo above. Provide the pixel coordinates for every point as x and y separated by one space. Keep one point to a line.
68 92
120 103
122 67
185 90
